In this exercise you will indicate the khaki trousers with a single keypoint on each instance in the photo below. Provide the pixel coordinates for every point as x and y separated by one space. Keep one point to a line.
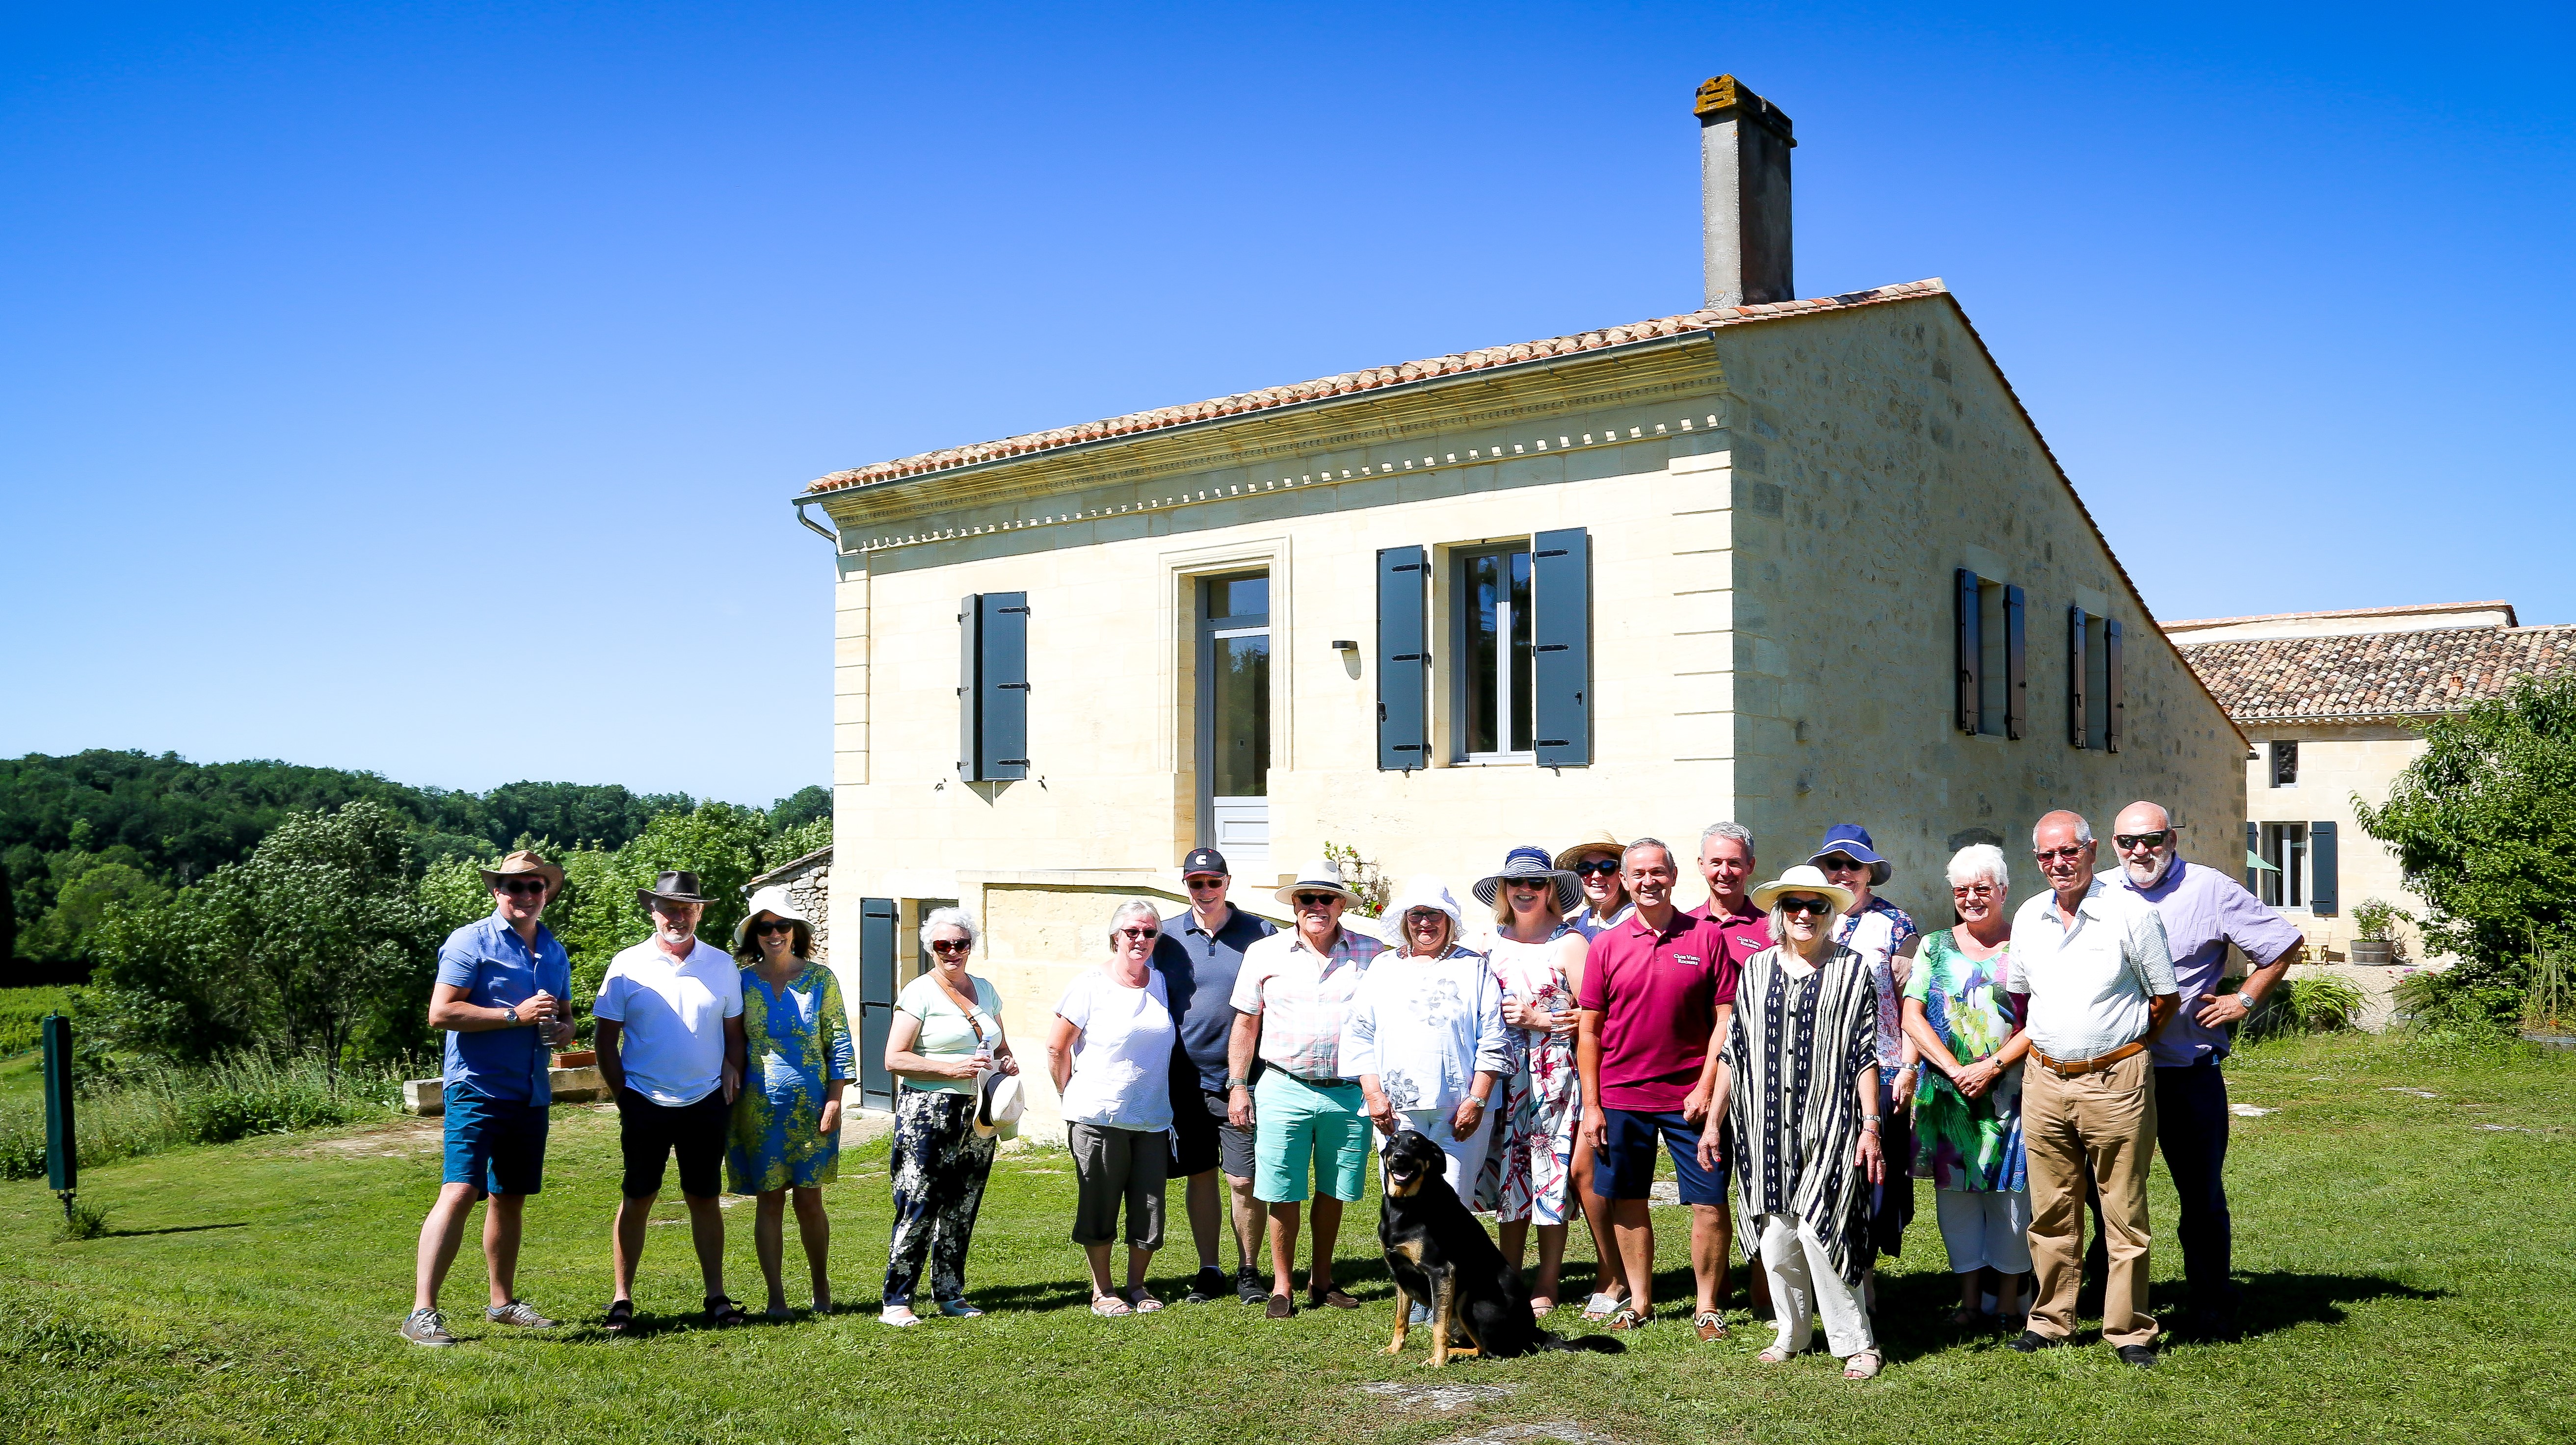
2107 1119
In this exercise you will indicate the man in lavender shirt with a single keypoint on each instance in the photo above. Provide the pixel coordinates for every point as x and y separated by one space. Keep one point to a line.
2204 911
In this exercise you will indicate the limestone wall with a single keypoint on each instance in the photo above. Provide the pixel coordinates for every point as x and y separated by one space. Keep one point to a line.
2336 761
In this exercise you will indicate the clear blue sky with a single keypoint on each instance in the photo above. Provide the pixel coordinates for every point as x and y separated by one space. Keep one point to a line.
420 388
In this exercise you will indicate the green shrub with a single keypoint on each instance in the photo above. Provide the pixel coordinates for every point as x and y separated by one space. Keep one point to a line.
22 1015
2318 1003
144 1109
2479 995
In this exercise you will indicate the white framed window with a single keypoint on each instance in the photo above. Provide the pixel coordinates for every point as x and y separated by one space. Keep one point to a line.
1495 652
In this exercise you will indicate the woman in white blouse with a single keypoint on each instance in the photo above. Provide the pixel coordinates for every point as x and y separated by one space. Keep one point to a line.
1426 1038
1111 1056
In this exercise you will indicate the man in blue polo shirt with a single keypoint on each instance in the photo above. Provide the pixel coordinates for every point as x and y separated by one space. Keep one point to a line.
500 997
1199 955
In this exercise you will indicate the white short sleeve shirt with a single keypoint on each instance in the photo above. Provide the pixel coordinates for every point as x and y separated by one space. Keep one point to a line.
1122 1056
2089 983
672 1014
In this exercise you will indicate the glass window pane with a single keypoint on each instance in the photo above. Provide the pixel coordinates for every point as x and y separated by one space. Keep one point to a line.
1524 653
1239 596
1483 607
1242 717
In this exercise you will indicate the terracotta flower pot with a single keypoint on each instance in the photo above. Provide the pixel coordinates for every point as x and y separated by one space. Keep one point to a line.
577 1059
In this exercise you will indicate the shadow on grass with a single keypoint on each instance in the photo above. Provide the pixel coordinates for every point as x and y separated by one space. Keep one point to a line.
173 1229
2275 1300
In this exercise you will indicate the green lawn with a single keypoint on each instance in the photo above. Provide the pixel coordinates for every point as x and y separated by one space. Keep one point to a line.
2407 1261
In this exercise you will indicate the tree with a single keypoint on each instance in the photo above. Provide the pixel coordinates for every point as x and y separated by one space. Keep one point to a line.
2484 826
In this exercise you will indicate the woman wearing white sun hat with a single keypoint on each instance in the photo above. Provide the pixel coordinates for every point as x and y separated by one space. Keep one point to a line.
1425 1037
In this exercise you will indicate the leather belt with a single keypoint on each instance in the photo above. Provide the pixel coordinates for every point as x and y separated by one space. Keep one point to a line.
2077 1068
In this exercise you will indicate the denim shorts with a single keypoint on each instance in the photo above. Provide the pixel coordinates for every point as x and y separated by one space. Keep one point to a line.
496 1145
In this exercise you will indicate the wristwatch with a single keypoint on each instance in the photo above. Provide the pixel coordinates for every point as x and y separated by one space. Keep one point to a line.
2245 1000
511 1012
1238 1084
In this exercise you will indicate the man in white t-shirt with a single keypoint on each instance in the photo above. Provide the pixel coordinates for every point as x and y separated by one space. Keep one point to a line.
2100 978
670 1048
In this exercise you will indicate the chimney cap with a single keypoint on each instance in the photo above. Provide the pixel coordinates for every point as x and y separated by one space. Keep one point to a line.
1723 97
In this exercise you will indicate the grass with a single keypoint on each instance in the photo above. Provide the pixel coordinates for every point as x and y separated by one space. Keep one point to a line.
145 1108
2406 1262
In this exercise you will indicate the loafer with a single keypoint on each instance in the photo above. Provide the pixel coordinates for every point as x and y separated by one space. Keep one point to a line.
2031 1342
2142 1356
1207 1285
1332 1295
1279 1308
426 1327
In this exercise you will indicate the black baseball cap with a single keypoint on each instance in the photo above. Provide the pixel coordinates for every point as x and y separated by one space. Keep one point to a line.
1205 860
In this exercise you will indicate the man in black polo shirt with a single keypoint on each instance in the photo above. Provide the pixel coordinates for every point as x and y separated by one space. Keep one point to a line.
1198 956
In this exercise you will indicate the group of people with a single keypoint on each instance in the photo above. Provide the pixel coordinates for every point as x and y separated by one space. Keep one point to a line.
1798 1049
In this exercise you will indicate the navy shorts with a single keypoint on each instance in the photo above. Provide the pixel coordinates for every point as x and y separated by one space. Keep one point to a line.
496 1145
1626 1169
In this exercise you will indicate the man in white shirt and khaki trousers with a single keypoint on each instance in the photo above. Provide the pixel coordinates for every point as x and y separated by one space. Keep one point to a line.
2100 978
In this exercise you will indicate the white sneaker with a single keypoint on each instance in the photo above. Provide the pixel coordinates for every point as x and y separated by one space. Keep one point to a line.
899 1316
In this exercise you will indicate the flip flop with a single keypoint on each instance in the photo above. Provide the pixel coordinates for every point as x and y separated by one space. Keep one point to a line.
1600 1307
1142 1302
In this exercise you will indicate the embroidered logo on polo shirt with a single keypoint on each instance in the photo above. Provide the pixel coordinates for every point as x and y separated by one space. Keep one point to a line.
1690 958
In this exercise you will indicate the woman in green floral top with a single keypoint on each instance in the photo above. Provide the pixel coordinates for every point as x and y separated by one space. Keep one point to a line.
786 1131
1967 1115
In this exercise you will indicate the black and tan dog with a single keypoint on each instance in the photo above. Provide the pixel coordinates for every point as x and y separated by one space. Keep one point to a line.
1440 1255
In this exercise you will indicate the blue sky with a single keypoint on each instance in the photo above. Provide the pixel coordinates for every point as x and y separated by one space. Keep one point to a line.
420 388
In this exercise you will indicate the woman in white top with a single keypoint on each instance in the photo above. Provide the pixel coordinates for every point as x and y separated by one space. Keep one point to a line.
1111 1055
946 1035
1538 962
1425 1037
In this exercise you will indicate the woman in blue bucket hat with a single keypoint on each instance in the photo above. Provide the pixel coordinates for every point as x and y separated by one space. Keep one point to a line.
1885 938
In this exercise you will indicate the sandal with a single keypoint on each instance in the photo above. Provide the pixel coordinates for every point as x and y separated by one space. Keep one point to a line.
1777 1354
1541 1306
1863 1366
1964 1318
1144 1303
1109 1306
621 1313
1601 1306
724 1314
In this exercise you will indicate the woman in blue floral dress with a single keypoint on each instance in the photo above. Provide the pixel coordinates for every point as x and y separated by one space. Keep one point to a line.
786 1131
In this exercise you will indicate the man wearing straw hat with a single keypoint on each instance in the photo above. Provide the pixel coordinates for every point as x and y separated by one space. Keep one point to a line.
671 1049
500 999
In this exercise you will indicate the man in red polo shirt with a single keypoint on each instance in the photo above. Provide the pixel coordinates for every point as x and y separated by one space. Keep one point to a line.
1658 992
1726 863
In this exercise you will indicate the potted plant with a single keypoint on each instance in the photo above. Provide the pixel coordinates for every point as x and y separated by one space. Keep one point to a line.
2374 923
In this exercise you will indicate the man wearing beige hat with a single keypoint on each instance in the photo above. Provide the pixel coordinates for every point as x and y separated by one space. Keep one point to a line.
500 999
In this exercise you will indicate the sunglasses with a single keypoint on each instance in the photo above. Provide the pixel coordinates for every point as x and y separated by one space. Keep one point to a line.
1974 890
1526 885
1203 884
951 945
1132 934
523 887
1840 864
2056 855
1595 868
1317 900
1816 906
1425 918
2142 840
775 925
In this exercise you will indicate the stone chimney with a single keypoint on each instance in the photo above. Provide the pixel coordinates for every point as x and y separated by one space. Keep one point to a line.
1744 145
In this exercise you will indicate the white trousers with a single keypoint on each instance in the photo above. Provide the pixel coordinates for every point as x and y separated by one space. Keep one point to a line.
1466 1156
1803 1285
1986 1229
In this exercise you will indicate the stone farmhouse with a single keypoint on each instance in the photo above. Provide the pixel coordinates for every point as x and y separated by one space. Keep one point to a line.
1786 561
2334 704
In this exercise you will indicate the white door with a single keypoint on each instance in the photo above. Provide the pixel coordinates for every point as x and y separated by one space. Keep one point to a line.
1234 722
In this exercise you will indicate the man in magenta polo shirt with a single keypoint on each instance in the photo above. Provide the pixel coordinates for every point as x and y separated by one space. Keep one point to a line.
1726 864
1658 991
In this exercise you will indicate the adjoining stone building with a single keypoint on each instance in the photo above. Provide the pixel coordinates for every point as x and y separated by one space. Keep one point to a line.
1786 561
2334 706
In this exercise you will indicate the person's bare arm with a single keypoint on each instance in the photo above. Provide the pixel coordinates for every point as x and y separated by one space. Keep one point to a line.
1927 1044
1060 1043
1695 1105
2215 1011
1587 1067
733 1057
1869 1156
2160 1011
1239 1046
449 1010
612 1064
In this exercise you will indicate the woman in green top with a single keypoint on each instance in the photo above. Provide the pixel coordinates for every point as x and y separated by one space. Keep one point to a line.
785 1135
947 1033
1967 1117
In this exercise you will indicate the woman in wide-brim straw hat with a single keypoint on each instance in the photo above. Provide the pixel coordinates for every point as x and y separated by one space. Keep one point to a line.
785 1135
1538 963
1594 861
1797 1115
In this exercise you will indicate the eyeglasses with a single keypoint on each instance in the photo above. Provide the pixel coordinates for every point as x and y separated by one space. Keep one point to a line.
523 887
1132 934
952 945
1816 906
1317 900
2068 854
1203 884
1596 867
1974 890
775 925
2157 839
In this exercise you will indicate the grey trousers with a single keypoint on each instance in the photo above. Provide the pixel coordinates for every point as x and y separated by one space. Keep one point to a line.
1111 1166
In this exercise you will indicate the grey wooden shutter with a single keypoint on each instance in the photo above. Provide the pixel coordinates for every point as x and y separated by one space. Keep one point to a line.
2075 731
876 1000
2253 850
1002 686
2324 894
1561 594
2114 690
970 614
1403 660
1968 648
2016 667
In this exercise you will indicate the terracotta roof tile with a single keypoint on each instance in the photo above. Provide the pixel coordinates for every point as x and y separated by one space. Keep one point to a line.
1350 382
2376 674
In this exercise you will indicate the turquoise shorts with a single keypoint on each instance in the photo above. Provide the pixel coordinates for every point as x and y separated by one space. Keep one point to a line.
1298 1127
